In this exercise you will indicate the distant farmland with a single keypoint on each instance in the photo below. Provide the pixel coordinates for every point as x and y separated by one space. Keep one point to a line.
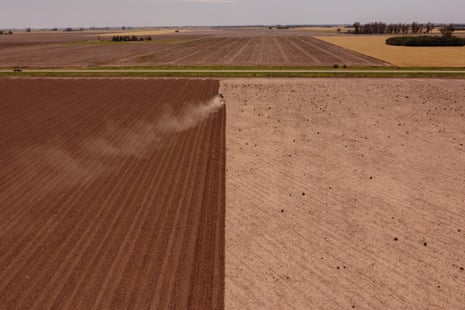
139 33
375 46
201 48
120 192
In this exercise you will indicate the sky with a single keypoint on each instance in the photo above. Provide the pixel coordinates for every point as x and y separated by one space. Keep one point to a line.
100 13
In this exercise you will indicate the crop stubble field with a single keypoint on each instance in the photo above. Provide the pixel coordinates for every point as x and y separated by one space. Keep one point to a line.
375 46
196 48
345 193
111 194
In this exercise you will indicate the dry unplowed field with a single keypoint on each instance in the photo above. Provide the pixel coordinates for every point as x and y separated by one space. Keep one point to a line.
111 194
191 49
407 56
345 193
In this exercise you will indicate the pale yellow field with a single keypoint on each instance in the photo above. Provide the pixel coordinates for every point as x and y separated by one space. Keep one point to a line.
376 47
140 33
436 31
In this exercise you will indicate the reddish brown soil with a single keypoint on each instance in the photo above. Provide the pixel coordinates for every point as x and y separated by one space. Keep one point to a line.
111 194
345 193
238 47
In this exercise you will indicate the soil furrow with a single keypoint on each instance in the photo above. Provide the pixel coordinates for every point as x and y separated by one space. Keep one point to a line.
96 240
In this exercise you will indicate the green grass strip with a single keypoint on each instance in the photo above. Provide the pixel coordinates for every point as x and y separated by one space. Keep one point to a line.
240 74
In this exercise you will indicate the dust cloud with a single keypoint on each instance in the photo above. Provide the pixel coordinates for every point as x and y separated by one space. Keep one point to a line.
123 142
93 155
58 166
190 117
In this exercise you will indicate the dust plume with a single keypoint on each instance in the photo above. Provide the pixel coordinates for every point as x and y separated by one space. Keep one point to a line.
143 138
59 167
123 142
138 141
190 117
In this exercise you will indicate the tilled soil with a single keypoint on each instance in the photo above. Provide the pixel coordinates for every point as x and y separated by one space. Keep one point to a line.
345 193
340 193
111 194
215 48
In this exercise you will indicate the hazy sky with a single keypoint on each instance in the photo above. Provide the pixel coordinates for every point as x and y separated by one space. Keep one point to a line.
60 13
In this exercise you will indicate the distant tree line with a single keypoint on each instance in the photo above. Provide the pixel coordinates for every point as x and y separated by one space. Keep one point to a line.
6 32
383 28
447 39
130 38
426 41
69 29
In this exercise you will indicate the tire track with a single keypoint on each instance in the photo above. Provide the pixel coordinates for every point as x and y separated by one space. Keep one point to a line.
285 58
239 52
314 60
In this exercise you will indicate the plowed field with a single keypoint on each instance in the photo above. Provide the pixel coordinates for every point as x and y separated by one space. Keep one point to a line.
111 194
234 48
340 194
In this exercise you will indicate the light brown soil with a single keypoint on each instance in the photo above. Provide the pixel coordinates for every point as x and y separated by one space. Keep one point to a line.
213 48
111 194
345 193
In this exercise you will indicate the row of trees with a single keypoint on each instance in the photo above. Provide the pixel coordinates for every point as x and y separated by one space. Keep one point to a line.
447 39
426 41
67 29
383 28
130 38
